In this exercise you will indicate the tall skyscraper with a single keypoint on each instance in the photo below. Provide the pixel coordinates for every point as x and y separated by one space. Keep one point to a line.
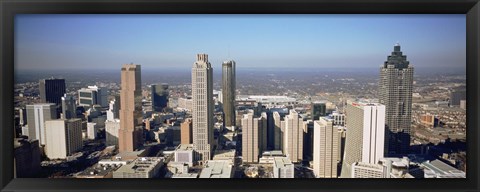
395 92
159 94
69 108
52 90
319 109
131 130
203 108
228 92
365 139
37 114
293 137
326 147
63 137
254 136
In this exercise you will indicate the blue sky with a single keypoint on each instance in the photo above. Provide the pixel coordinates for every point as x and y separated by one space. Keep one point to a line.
253 41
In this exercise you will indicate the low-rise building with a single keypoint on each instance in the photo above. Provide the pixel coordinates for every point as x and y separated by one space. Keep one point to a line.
143 167
439 169
217 169
184 154
283 168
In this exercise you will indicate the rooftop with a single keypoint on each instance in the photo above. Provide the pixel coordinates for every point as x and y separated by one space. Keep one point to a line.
217 169
141 165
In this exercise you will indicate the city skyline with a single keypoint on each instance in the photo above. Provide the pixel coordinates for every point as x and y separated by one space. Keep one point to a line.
254 41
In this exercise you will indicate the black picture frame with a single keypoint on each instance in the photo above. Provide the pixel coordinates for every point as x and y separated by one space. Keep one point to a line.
9 8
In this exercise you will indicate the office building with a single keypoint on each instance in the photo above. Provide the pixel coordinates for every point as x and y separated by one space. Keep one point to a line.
254 136
326 148
367 170
439 169
457 95
111 132
283 168
52 90
142 167
63 137
365 134
184 154
92 130
113 111
338 118
217 169
27 157
69 107
130 135
319 109
228 92
275 129
93 95
159 95
186 131
385 168
37 114
293 137
202 105
395 92
185 103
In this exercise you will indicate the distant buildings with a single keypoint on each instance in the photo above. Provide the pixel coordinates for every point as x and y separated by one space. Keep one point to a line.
52 90
270 101
63 138
185 103
395 92
186 131
93 95
228 92
37 114
457 95
27 157
319 109
283 168
293 137
365 135
159 95
131 129
69 107
254 137
142 167
326 148
202 105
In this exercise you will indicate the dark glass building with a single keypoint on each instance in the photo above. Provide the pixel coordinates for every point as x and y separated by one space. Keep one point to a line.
319 109
159 97
52 90
228 92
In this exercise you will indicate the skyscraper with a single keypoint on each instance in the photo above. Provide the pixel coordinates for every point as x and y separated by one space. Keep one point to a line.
202 108
326 147
130 135
228 92
52 90
37 114
395 92
69 108
63 137
93 95
159 97
254 136
365 134
293 137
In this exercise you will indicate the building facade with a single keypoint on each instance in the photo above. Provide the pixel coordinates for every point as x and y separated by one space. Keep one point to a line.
159 95
293 137
254 136
93 95
63 137
69 107
228 92
186 131
319 109
111 132
326 148
37 114
27 157
52 90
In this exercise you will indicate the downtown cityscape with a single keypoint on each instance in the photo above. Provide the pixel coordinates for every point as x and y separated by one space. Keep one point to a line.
391 119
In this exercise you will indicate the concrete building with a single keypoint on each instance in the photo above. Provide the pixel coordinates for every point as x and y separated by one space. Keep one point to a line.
217 169
366 170
185 103
186 131
395 92
278 127
439 169
63 137
365 134
184 154
283 168
52 90
131 129
319 109
228 92
142 167
326 148
338 118
69 107
111 132
202 105
27 157
293 137
37 114
98 171
92 130
93 95
385 168
113 111
159 95
254 136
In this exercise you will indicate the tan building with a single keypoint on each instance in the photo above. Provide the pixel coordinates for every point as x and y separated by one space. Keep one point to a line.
254 136
63 137
202 108
326 148
278 131
186 131
130 133
293 137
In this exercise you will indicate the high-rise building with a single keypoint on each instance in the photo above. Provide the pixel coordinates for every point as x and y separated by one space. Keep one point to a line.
365 134
27 157
93 95
319 109
69 107
52 90
111 132
395 92
159 97
37 114
63 137
254 136
326 147
293 137
186 132
202 108
228 92
113 111
130 135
